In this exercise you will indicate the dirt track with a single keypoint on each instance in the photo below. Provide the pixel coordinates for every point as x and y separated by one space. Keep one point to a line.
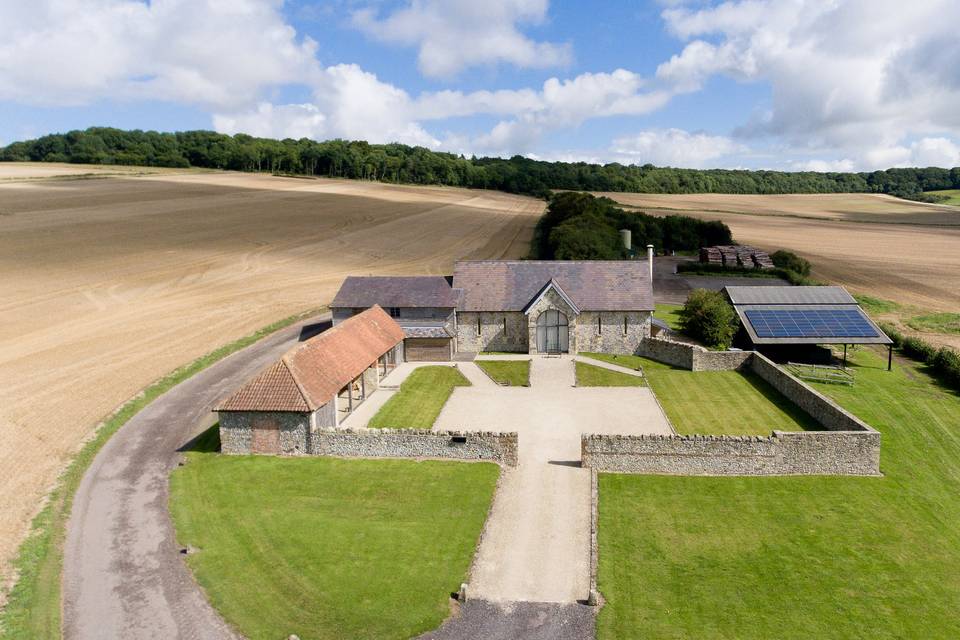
107 284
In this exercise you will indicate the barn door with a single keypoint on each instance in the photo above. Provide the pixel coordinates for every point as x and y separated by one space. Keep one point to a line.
266 436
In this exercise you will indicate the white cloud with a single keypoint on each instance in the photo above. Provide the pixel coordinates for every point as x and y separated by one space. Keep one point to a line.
859 78
824 166
205 52
673 148
452 35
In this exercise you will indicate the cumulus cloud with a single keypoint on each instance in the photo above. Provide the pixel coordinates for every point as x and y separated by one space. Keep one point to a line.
452 35
859 77
673 148
204 52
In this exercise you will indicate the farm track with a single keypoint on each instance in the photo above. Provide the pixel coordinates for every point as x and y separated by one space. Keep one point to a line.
108 284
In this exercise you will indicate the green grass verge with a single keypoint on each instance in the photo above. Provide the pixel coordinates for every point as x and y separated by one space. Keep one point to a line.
874 305
798 557
936 323
723 402
669 313
590 375
952 196
420 399
513 373
33 605
328 548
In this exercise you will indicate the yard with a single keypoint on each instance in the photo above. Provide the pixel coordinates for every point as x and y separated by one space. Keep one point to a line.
589 375
798 557
669 313
716 402
327 548
420 399
511 373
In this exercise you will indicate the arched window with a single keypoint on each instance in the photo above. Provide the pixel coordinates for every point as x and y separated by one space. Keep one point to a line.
552 332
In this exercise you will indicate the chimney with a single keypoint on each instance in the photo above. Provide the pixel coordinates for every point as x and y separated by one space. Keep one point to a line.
650 261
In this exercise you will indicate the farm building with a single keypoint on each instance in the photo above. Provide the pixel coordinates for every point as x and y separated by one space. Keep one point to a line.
423 306
315 385
532 306
789 322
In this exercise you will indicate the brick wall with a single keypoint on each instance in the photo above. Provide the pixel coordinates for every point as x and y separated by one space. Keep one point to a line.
409 443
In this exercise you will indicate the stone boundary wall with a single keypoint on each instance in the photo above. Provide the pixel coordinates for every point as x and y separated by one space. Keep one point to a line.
821 408
847 453
691 356
593 597
409 443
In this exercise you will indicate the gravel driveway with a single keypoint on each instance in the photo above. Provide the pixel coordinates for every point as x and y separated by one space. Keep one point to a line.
536 543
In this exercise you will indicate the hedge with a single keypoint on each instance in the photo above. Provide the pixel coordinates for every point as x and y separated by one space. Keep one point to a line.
945 362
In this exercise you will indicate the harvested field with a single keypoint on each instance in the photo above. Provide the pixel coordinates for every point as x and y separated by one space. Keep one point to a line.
107 284
873 244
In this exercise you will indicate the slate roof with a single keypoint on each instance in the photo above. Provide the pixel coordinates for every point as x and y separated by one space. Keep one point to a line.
789 295
593 285
395 291
426 331
311 373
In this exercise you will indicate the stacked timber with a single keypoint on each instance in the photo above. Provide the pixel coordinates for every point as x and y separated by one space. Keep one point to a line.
741 256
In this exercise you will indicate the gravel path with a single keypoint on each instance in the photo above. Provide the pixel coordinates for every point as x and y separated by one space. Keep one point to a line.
123 574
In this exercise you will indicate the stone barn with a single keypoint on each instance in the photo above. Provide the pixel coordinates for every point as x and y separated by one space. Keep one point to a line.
315 385
555 306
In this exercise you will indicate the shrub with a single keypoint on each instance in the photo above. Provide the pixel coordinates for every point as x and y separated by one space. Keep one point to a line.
944 362
791 262
708 317
918 349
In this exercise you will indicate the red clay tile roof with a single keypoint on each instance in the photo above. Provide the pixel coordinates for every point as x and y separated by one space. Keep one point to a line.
395 291
593 285
310 374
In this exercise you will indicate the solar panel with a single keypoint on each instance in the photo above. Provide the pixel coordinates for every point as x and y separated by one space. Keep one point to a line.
810 323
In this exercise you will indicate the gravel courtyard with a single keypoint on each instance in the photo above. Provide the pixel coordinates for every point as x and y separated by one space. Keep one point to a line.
536 543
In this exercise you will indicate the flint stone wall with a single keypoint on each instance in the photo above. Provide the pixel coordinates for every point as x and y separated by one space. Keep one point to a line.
690 356
410 443
853 453
236 431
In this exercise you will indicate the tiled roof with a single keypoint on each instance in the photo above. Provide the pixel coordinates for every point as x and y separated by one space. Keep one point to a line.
594 285
789 295
311 373
395 291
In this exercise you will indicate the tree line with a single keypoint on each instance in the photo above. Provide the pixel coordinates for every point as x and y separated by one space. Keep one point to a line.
580 226
418 165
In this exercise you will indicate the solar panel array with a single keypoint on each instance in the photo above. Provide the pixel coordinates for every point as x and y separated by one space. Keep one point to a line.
810 323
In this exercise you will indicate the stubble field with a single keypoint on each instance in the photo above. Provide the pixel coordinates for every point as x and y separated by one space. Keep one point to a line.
107 284
877 245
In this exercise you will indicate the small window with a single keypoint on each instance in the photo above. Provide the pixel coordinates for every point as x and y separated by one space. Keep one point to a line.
599 325
394 312
624 325
478 324
504 327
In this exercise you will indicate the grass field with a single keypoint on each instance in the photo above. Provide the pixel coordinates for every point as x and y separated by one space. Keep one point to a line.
953 196
936 323
876 245
109 284
420 399
589 375
327 548
813 557
512 373
669 313
722 402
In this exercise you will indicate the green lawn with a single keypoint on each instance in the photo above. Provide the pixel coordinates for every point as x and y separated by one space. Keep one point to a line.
936 323
873 305
630 362
420 399
669 313
723 402
327 548
513 373
953 196
792 557
589 375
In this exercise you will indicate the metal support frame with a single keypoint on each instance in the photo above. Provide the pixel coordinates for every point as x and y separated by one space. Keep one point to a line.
889 357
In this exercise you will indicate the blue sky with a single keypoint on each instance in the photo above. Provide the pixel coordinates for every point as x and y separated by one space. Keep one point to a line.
785 84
